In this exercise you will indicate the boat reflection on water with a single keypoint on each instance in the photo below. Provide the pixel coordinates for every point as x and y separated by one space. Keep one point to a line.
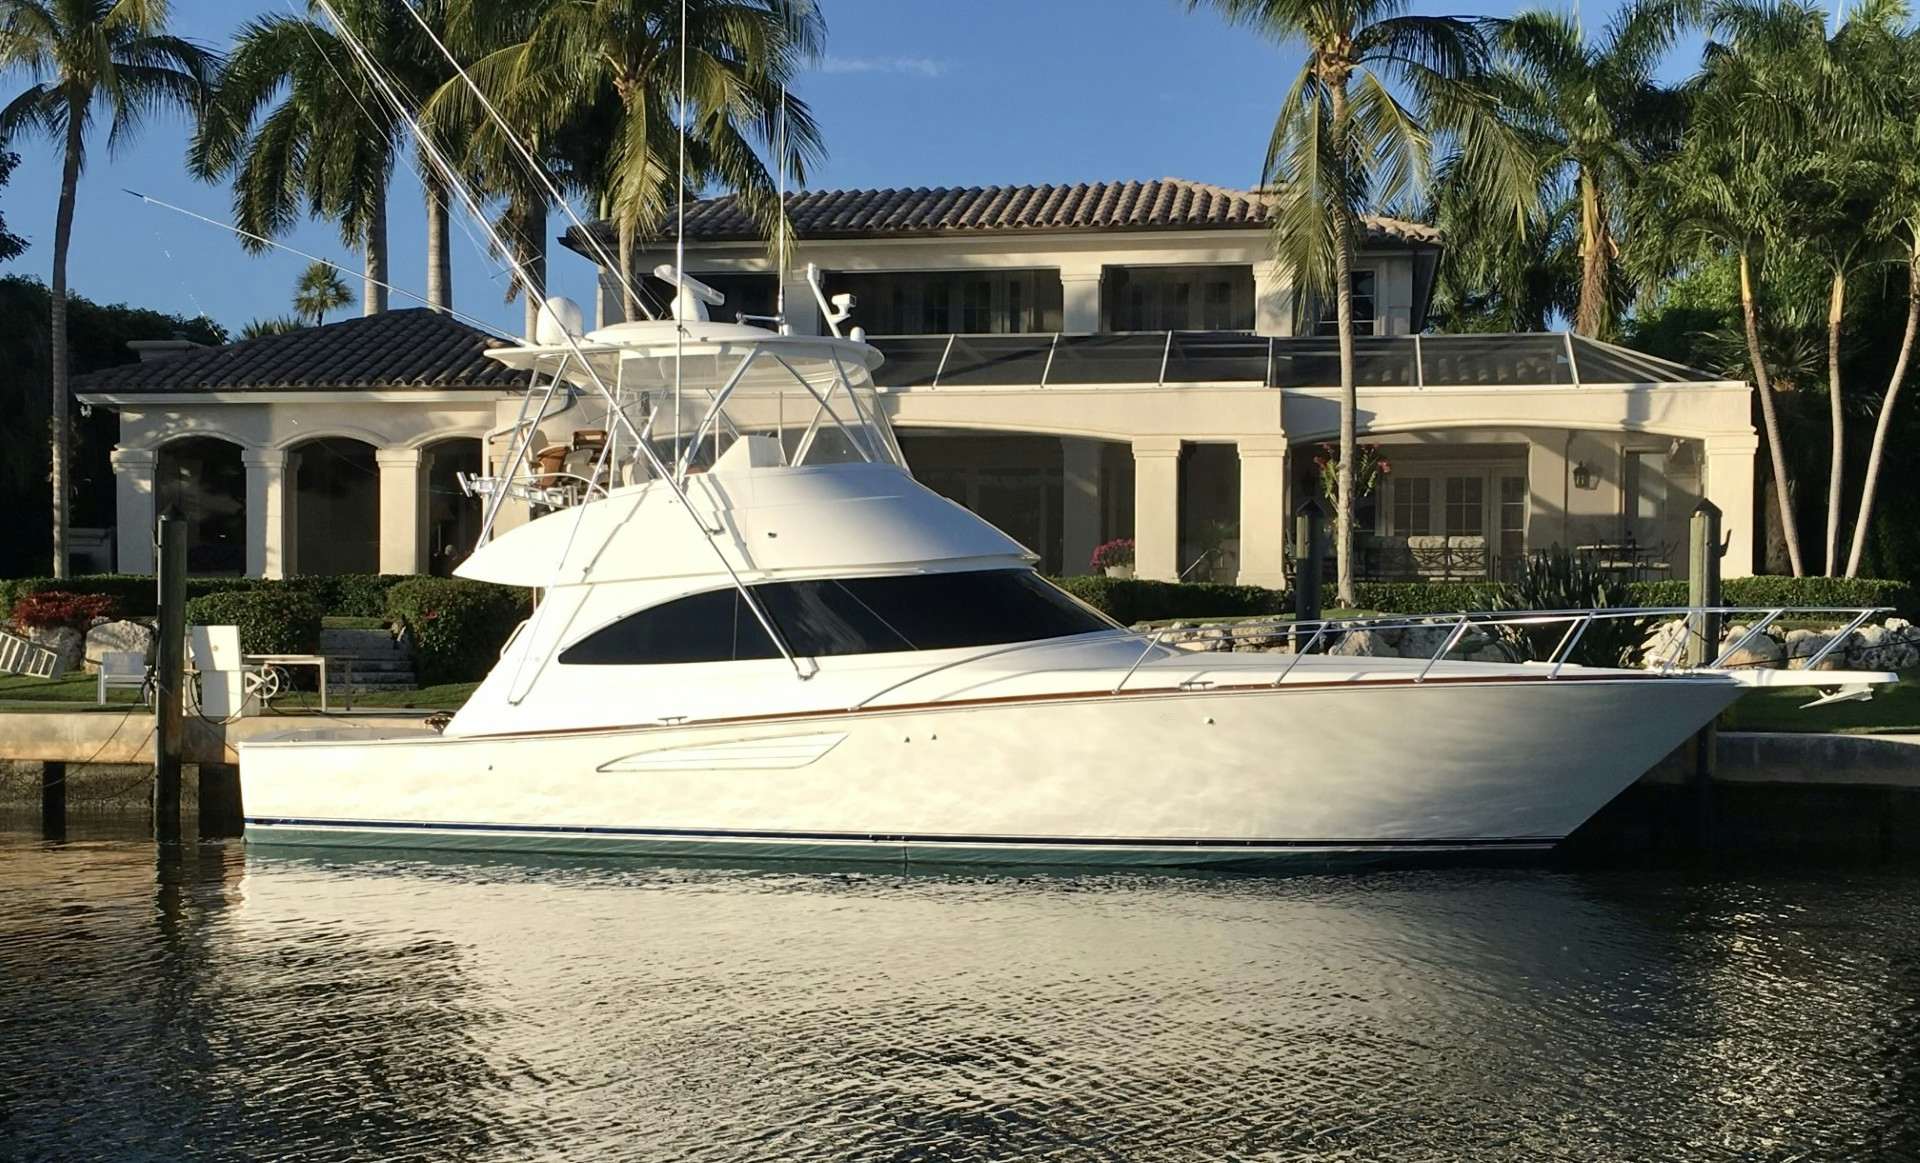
345 1004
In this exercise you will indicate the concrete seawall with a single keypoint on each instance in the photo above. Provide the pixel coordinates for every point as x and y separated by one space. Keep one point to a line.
1799 796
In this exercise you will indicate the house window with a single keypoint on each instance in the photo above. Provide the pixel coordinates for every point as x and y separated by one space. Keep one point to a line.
1363 308
1466 509
1183 298
1412 506
939 302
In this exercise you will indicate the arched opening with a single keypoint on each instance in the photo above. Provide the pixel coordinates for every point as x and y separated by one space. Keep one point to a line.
201 479
453 517
336 507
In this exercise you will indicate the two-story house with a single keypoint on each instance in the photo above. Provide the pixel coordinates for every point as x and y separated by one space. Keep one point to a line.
1076 363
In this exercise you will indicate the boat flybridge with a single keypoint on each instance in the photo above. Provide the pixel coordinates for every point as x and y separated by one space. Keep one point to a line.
757 635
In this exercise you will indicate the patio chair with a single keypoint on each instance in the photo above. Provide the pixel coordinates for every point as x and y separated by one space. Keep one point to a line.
122 668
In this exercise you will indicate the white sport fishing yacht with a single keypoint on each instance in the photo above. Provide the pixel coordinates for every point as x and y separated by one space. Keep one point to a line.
757 635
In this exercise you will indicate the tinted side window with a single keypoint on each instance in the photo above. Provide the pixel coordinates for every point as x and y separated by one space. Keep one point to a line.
709 627
822 619
986 608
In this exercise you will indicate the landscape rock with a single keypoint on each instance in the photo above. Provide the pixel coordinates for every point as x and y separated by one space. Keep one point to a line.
1362 643
1802 645
1762 651
1423 641
116 638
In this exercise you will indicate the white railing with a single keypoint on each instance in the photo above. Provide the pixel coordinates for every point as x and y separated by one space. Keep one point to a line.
1504 627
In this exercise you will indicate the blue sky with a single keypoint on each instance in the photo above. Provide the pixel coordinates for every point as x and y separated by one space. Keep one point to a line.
912 92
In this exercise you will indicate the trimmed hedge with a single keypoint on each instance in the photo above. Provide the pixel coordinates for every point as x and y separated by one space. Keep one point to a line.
135 593
457 626
273 617
1785 591
1130 600
1436 597
351 595
48 609
1134 600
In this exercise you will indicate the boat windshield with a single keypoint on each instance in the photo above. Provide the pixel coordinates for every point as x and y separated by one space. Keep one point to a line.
843 616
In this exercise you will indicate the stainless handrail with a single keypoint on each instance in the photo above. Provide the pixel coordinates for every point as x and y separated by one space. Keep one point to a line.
1039 644
1578 622
1146 650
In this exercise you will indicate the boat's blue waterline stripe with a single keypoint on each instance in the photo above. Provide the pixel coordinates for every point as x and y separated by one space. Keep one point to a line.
877 837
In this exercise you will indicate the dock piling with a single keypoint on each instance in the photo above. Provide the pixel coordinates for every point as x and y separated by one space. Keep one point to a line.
1703 645
53 800
169 674
1309 558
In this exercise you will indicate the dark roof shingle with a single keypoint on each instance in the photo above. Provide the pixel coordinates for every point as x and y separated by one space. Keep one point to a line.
1166 204
395 350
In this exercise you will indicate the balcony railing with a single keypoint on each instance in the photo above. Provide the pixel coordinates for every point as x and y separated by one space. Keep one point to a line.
1209 357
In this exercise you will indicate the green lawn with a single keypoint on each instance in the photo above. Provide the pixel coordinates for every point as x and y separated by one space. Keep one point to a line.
1891 710
75 688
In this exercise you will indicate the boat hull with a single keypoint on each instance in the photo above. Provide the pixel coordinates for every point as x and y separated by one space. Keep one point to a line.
1171 778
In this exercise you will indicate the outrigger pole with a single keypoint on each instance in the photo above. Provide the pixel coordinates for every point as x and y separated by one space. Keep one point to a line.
615 412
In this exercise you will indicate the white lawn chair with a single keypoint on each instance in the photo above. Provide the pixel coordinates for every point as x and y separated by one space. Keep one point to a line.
123 668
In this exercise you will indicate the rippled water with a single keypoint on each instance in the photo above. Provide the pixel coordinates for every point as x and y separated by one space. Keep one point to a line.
215 1003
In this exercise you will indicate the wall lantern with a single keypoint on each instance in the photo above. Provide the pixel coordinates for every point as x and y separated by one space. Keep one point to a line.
1583 475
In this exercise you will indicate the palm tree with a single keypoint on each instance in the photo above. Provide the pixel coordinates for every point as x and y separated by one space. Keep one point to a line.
1724 192
1495 278
76 53
1827 95
329 146
320 290
276 324
620 61
11 244
1596 115
1899 222
1344 140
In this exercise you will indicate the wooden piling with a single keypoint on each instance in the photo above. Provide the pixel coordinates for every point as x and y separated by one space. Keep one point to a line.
220 807
1309 558
169 675
1703 647
53 800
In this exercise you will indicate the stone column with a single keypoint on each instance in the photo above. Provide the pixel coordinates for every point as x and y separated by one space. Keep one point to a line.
1080 299
267 509
1272 300
401 516
1728 483
1156 507
1079 504
133 502
1264 521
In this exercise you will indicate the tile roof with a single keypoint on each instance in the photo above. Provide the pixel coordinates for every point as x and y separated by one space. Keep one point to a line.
395 350
1166 204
